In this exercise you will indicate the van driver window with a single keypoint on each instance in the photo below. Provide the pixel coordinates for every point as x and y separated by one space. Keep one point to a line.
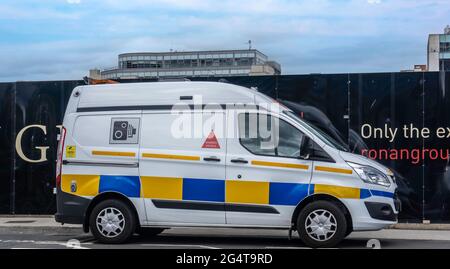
265 135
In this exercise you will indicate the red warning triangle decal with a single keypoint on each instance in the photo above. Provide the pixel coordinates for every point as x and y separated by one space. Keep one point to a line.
211 142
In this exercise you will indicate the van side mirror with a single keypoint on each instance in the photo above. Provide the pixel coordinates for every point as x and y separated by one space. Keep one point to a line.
304 156
305 149
309 150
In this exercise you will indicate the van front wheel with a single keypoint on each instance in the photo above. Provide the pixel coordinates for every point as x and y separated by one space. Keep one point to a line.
112 222
321 224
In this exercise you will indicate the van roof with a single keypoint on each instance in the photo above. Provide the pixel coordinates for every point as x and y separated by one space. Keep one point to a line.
165 93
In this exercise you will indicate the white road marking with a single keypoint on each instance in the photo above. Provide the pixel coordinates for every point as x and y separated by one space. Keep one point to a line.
177 245
275 247
60 244
40 243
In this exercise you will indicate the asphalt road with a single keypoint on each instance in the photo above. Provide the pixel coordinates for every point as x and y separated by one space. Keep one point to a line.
187 238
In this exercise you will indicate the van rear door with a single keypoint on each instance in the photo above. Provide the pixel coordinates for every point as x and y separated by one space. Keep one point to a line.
100 155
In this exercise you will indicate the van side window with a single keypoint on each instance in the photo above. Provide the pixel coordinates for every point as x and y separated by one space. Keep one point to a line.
269 136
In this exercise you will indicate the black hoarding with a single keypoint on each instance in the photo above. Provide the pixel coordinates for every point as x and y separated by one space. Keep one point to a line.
361 110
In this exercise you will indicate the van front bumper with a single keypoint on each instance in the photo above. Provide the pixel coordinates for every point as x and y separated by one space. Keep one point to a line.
381 211
374 213
71 209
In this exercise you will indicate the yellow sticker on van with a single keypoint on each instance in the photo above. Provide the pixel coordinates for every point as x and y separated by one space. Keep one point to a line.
71 151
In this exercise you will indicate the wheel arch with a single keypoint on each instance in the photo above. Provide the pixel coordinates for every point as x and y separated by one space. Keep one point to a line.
322 197
105 196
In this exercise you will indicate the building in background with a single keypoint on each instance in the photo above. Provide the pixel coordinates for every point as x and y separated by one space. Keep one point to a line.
420 68
250 62
439 51
417 68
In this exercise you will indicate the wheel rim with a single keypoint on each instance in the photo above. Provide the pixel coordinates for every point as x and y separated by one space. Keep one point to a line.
320 225
110 222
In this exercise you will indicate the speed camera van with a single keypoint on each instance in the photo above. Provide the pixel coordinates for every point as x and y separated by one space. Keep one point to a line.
151 156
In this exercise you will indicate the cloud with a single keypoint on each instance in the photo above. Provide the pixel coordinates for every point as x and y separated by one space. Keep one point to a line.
47 39
12 13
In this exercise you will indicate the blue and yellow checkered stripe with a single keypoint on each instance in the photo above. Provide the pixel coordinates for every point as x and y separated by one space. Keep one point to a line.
91 185
209 190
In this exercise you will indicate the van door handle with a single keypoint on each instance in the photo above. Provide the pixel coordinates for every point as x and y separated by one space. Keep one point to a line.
239 161
211 159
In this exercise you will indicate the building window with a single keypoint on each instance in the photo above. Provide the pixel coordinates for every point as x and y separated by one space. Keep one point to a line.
226 62
244 61
208 62
445 47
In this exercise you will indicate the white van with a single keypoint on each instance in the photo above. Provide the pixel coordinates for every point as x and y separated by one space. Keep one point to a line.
203 154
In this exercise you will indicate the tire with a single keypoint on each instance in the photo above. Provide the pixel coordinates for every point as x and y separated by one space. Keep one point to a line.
118 214
144 231
348 232
336 224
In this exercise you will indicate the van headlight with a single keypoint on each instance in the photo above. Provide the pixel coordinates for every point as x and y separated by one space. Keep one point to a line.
370 175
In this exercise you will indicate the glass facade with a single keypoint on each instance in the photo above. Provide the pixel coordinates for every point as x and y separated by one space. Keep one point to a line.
444 52
202 63
444 47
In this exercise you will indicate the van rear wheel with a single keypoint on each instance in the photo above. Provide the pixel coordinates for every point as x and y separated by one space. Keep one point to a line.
321 224
112 222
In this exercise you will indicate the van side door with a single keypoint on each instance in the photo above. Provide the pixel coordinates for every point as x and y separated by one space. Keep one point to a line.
266 174
182 168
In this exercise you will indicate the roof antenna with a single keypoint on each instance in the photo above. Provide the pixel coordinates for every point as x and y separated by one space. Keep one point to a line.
249 44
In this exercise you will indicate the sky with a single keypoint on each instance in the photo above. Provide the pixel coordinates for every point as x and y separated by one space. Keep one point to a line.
63 39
